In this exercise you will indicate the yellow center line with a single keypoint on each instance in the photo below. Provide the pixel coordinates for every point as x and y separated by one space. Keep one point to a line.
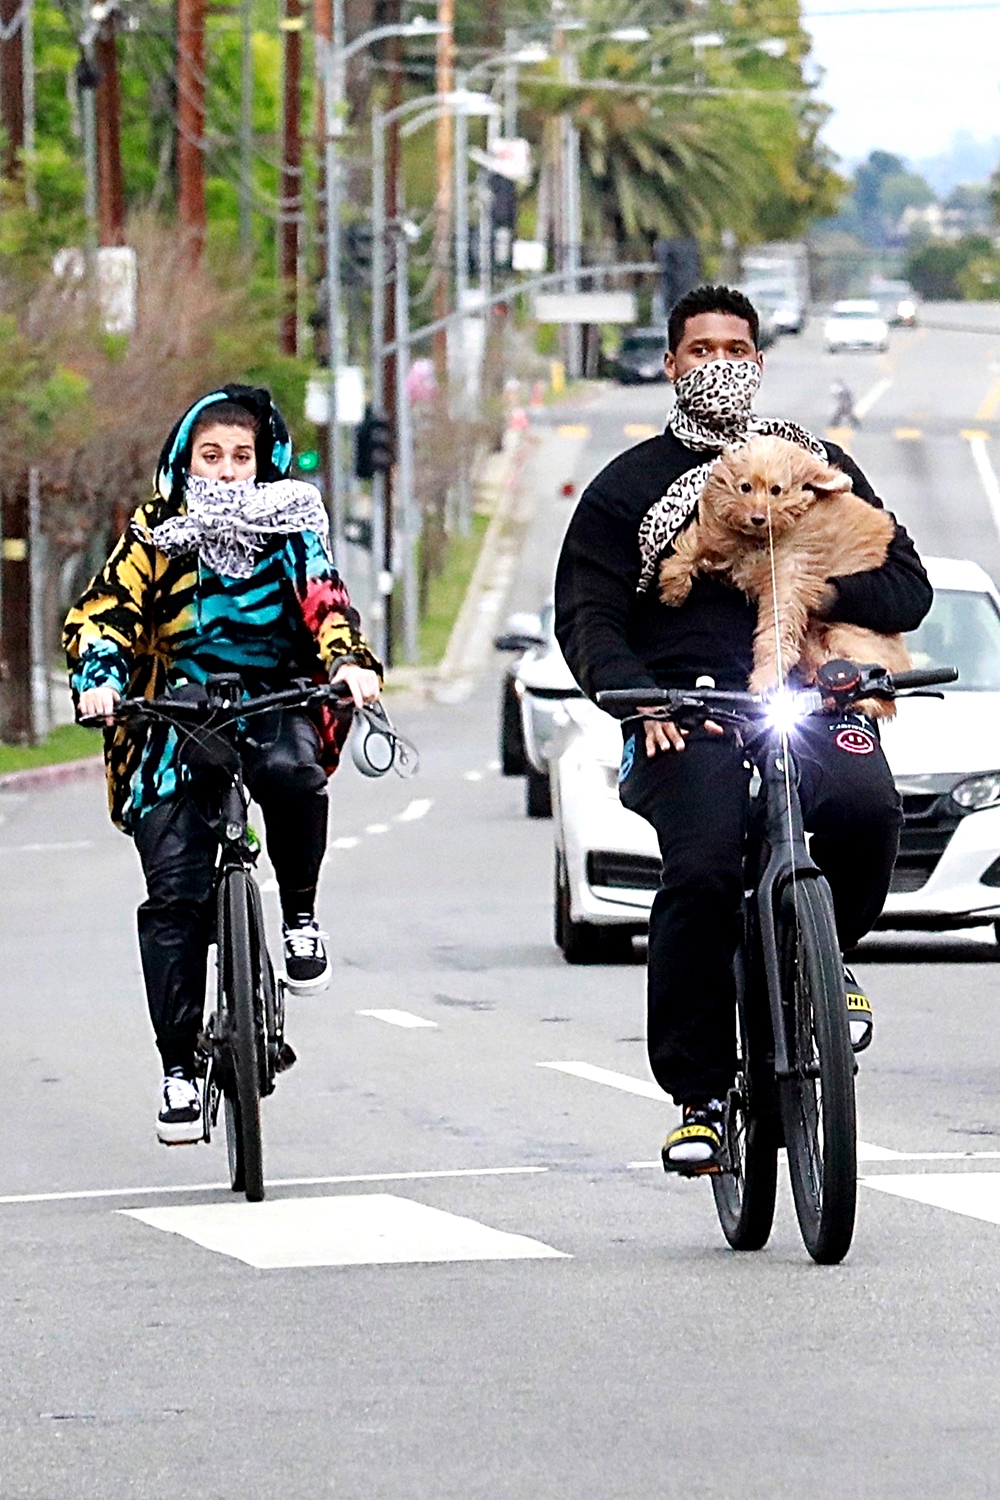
841 436
908 434
640 430
573 430
973 435
990 403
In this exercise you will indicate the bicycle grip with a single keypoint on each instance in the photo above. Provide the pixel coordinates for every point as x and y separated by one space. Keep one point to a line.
924 677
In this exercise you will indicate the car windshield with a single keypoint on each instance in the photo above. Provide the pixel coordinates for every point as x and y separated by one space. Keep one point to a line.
643 343
961 630
855 312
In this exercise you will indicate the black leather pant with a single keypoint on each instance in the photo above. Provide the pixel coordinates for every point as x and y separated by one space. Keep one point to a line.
179 854
697 801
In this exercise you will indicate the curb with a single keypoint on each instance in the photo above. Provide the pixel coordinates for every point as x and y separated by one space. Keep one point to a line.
42 777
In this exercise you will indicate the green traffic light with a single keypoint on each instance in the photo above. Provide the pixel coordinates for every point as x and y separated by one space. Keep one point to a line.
308 461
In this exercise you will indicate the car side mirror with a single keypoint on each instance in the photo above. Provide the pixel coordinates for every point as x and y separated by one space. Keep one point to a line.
513 641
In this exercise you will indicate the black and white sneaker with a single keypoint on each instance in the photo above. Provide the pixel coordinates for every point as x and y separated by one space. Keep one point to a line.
306 965
179 1120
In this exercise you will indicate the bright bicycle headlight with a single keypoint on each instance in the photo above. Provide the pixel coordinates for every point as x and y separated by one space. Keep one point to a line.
786 709
977 792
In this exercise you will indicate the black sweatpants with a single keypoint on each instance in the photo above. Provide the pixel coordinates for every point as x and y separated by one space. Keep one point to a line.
179 853
697 800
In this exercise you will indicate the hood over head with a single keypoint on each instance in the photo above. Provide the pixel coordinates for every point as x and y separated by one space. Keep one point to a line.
273 444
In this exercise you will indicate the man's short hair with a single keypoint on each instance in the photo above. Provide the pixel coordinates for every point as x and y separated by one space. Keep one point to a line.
711 299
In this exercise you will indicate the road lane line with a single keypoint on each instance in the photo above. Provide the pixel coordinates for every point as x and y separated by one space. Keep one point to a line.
417 809
984 468
86 1194
345 843
362 1230
396 1018
46 848
878 390
473 775
866 1152
908 434
621 1081
573 430
640 430
990 403
377 828
841 436
974 1194
269 887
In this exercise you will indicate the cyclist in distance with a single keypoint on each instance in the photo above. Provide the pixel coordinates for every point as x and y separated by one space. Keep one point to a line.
693 788
226 569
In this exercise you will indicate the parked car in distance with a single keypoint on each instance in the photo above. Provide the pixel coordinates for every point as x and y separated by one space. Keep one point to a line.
536 689
897 302
855 325
640 357
944 752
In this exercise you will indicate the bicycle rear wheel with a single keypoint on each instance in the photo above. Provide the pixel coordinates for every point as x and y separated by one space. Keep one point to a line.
745 1189
817 1099
240 1023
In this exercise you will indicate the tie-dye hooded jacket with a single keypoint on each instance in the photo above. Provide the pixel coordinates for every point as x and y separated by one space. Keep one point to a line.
148 622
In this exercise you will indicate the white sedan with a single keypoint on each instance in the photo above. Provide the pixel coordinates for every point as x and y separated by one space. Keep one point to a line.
945 757
855 325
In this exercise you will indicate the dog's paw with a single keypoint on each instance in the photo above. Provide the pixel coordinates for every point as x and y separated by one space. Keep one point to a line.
674 587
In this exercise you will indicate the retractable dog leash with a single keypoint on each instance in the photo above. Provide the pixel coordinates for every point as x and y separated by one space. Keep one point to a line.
377 747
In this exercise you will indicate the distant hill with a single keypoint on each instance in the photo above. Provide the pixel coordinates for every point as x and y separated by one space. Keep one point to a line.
966 160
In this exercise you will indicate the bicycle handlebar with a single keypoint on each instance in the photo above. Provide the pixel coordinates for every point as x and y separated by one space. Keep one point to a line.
866 682
194 711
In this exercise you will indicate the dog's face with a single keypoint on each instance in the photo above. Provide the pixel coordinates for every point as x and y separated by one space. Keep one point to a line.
763 488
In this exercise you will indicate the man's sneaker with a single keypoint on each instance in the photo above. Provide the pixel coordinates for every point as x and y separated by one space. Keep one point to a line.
859 1013
694 1147
179 1120
306 965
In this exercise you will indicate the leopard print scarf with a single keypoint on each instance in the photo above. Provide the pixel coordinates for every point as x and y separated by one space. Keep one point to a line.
713 412
228 524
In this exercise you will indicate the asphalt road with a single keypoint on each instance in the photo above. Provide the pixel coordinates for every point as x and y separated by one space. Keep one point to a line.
469 1278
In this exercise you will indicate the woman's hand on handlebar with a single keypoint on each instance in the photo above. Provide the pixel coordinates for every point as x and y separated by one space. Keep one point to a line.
99 703
362 683
663 734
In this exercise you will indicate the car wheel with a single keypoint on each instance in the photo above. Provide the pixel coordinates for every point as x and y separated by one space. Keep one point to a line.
583 942
537 794
512 757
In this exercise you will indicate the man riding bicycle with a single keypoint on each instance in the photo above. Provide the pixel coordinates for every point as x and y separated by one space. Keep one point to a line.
227 569
693 786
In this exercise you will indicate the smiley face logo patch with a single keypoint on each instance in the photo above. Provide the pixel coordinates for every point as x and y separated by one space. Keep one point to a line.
855 741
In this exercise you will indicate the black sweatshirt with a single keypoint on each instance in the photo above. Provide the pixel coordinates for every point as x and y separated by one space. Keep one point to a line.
613 637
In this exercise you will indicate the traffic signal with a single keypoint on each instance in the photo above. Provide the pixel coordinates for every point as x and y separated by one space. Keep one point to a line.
374 452
680 268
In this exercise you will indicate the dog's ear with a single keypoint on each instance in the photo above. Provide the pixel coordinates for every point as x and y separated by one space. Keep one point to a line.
826 482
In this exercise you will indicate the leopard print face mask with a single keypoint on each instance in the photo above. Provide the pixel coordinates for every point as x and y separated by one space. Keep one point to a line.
714 403
714 412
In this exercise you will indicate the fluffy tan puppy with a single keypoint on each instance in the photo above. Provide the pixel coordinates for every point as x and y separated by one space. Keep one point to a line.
778 522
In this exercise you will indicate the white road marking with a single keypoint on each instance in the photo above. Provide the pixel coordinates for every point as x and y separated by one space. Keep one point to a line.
492 765
397 1017
417 809
346 843
46 848
272 1182
370 1229
621 1081
987 474
377 828
473 775
878 390
269 887
866 1152
976 1194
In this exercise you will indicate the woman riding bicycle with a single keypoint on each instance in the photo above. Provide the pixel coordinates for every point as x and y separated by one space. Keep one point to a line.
226 569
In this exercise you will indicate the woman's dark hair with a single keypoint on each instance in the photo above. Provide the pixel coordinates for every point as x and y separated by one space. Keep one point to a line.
225 414
711 299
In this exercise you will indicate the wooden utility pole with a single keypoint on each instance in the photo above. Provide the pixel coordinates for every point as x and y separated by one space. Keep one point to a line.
15 642
12 88
191 123
110 182
444 84
291 176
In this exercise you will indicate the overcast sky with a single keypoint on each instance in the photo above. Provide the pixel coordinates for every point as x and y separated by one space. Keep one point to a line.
905 75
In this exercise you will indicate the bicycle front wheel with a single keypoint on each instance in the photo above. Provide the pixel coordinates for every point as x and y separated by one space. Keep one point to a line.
745 1188
241 1029
817 1098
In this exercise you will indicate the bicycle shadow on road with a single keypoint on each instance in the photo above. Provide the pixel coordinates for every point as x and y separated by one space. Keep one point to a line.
970 947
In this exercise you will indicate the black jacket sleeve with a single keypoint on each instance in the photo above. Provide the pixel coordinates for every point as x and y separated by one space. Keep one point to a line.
596 579
893 598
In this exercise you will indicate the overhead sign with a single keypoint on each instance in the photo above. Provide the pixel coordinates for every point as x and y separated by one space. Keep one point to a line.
585 307
350 397
528 255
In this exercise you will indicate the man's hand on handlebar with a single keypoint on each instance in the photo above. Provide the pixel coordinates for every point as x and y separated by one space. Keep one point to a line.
362 683
663 734
99 703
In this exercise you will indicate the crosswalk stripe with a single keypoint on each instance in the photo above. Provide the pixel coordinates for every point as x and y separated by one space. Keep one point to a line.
975 1194
397 1018
363 1230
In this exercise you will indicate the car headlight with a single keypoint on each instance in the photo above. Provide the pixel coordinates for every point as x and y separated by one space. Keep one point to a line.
977 792
906 309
